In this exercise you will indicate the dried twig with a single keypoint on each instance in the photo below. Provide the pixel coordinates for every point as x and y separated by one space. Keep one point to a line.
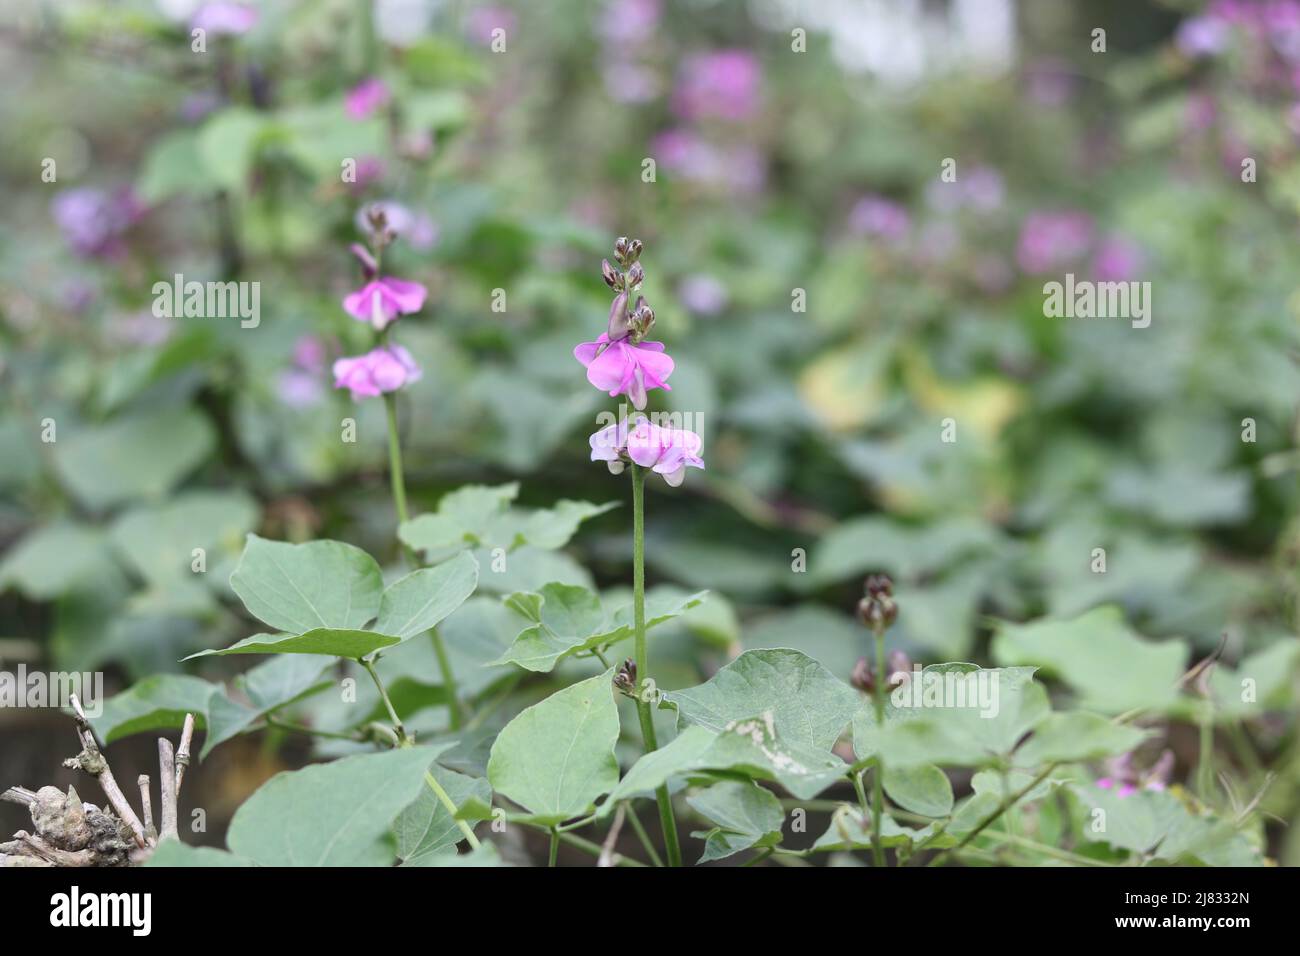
606 857
19 795
183 751
150 833
94 763
167 783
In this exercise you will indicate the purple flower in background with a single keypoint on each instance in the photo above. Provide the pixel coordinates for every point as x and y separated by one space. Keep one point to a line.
666 451
630 82
622 368
723 84
1118 260
739 168
1201 36
198 106
366 97
879 217
979 188
702 294
1049 82
370 169
1050 240
483 20
416 228
92 220
309 353
300 386
1127 779
380 301
384 369
231 19
628 21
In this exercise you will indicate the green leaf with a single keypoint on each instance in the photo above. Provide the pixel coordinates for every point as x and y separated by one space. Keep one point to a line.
155 703
176 853
550 528
331 814
426 827
1157 823
1083 652
569 619
301 587
810 704
420 601
556 757
54 559
227 145
953 715
1076 735
158 542
746 815
142 456
323 640
923 789
173 167
486 855
881 544
850 830
267 686
749 746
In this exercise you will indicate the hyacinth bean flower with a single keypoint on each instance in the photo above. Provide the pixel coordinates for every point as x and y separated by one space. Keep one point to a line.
667 451
1127 779
384 369
380 301
622 368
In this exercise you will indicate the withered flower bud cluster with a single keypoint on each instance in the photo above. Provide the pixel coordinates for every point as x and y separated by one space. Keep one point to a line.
877 609
898 665
624 323
625 678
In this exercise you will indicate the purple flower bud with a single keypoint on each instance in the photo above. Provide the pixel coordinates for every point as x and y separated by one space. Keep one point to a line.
620 323
625 678
635 275
613 278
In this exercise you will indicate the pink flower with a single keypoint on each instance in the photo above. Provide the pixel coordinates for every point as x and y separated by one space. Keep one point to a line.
1127 779
380 301
367 96
1050 240
881 218
1118 260
224 18
385 369
483 20
666 451
93 221
723 84
622 368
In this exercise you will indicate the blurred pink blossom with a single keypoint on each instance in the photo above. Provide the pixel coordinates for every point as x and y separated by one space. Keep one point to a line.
627 21
1202 36
483 20
1118 260
380 301
1051 240
881 218
219 18
384 369
92 220
702 294
366 97
723 84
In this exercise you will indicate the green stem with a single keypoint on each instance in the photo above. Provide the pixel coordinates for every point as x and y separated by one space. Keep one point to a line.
398 479
641 656
555 847
445 799
878 775
392 711
644 837
285 725
395 457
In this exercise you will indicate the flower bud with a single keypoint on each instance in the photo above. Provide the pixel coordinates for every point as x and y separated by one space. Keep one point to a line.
635 275
877 610
613 278
899 667
862 677
620 249
633 250
620 323
643 317
625 678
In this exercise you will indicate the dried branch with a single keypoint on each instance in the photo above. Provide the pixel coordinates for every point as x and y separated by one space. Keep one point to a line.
167 783
94 763
183 752
606 857
19 795
150 833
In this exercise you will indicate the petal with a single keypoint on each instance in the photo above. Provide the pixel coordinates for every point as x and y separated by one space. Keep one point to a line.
357 304
586 352
636 389
675 478
656 365
643 444
610 369
406 296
